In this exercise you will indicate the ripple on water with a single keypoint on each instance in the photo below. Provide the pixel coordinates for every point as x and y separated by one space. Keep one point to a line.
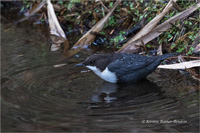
37 96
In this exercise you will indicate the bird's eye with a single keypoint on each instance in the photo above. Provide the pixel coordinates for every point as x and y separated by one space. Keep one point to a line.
91 61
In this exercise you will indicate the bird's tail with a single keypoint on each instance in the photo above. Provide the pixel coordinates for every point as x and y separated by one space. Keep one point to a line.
165 56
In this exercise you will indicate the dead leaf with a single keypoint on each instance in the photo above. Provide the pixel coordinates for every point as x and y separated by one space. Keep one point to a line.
182 65
148 27
131 45
159 50
55 47
57 35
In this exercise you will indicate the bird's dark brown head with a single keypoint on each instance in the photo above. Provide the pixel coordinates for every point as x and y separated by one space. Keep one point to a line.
98 60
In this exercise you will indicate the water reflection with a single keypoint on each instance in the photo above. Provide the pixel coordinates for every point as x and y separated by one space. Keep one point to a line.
103 93
109 92
143 93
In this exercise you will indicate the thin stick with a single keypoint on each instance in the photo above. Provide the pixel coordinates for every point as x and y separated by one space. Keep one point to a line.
104 5
191 57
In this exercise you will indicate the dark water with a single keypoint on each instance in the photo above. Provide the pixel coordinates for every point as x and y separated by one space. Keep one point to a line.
37 96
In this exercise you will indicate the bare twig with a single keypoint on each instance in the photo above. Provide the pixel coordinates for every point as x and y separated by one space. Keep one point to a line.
104 6
34 11
191 57
173 25
177 6
143 45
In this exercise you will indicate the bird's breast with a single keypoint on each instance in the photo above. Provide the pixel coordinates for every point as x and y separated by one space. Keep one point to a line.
109 76
106 74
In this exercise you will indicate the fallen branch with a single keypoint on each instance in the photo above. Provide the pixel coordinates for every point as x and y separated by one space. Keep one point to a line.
182 65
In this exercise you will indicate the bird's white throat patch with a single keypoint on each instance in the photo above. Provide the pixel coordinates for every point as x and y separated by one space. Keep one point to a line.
106 75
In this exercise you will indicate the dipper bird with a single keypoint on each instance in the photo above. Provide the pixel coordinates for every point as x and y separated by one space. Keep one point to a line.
123 67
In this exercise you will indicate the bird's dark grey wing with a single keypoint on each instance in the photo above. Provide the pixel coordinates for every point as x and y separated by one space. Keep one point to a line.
129 63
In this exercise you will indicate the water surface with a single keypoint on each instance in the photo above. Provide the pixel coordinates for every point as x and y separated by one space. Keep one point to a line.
38 96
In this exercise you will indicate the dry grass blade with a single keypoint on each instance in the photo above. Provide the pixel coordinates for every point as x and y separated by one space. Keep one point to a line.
57 35
148 27
182 65
88 38
34 11
133 45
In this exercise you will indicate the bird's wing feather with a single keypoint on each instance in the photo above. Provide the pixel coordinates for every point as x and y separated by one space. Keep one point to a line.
128 63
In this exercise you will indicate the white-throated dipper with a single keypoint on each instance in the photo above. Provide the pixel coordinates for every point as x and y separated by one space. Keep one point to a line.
122 67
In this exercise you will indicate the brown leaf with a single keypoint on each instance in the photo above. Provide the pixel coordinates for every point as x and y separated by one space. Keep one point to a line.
182 65
57 35
88 38
159 50
132 45
148 27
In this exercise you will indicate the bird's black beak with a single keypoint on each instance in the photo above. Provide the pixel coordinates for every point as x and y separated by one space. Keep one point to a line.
80 64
